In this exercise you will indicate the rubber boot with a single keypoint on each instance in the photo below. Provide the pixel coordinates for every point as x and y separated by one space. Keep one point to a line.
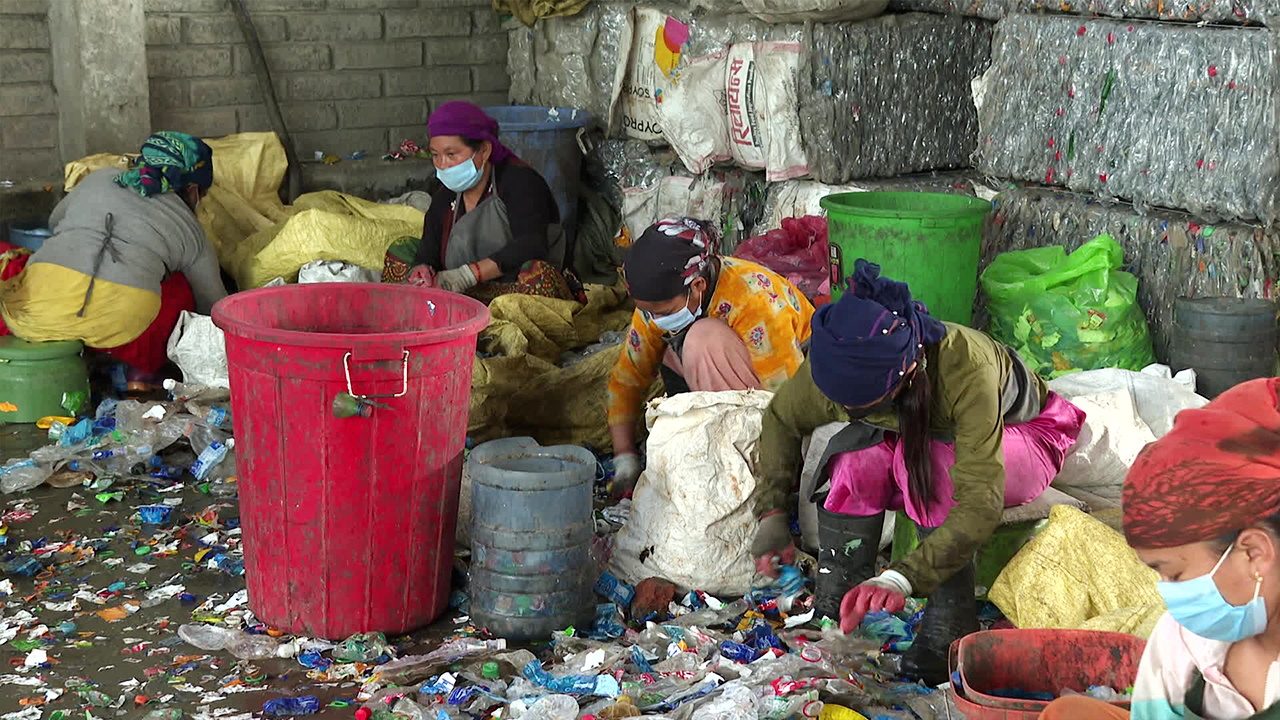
848 545
952 613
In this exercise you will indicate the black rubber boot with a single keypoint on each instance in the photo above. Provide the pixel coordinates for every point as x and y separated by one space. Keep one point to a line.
951 614
848 546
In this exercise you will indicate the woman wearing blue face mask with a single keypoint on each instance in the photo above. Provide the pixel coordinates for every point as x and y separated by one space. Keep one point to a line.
705 322
494 228
1202 507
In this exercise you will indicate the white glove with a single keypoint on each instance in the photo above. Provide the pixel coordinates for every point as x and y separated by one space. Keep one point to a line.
626 470
457 280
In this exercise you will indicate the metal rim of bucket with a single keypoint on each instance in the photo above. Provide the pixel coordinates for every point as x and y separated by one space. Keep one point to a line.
573 118
430 336
959 205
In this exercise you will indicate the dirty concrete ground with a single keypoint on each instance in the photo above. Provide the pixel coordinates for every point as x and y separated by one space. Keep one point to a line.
141 656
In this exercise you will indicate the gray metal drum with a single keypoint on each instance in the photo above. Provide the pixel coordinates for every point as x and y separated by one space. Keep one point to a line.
531 530
1226 340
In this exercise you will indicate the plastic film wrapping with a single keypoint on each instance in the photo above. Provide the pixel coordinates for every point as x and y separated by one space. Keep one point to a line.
1157 114
571 61
1264 12
884 101
1171 253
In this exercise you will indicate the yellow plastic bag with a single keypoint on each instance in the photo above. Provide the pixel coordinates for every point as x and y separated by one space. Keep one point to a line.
1078 573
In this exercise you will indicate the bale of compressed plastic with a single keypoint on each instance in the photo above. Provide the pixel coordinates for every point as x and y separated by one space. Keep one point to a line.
1213 11
570 61
1173 254
1157 114
883 100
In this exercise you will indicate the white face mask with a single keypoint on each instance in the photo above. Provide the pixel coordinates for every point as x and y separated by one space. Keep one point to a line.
678 320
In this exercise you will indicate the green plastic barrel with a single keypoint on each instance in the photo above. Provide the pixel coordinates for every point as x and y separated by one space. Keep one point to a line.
36 377
931 241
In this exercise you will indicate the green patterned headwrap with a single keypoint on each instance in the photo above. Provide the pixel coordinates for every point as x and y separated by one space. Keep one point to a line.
170 161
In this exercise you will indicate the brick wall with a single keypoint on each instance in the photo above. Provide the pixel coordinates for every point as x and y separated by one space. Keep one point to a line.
349 74
28 116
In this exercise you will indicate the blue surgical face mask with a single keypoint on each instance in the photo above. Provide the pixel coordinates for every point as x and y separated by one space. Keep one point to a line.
1198 606
460 177
678 320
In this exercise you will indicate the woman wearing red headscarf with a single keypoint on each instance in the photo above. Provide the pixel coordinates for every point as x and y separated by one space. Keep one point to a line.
494 228
1202 507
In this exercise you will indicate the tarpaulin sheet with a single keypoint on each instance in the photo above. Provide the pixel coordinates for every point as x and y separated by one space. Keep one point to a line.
325 225
517 388
1159 114
1172 253
1078 573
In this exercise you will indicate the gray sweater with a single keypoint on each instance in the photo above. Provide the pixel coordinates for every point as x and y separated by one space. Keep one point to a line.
153 237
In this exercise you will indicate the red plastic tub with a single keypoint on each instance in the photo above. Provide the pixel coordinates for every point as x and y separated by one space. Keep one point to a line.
349 522
1040 661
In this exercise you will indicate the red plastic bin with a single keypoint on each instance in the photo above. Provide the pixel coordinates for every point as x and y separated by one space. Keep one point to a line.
349 522
1042 661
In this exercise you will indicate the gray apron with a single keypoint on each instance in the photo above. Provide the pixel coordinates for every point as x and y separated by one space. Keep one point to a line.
485 230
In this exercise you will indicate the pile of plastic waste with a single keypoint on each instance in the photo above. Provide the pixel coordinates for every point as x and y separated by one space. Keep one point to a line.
129 438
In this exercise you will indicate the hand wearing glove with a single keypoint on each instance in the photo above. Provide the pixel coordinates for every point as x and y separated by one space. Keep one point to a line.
422 276
458 279
878 593
626 470
773 545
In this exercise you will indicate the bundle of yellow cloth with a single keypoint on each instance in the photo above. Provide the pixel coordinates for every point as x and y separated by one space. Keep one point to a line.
518 388
1078 573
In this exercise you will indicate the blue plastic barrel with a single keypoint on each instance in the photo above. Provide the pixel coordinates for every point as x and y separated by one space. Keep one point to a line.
531 530
546 138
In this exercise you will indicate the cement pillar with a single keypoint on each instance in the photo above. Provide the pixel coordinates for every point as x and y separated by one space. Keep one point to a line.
100 75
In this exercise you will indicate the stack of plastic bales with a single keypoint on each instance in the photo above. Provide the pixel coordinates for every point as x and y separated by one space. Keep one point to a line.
746 117
1165 134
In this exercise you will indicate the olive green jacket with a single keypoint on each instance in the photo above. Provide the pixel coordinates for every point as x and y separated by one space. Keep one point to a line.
979 386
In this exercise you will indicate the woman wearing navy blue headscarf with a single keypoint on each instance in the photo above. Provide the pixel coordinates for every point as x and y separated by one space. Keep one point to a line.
946 424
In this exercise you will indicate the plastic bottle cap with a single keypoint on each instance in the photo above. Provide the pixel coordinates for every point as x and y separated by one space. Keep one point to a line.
363 713
489 670
169 384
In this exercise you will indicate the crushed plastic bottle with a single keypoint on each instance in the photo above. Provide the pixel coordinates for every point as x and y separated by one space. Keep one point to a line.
552 707
210 457
184 393
163 714
282 707
363 647
736 702
207 637
20 475
602 685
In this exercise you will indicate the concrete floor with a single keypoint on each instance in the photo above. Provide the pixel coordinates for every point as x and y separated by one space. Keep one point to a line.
141 656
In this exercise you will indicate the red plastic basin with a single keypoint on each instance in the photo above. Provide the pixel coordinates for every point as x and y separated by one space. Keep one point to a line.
1040 661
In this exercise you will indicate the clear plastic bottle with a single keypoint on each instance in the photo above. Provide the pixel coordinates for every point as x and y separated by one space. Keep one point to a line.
202 436
20 475
207 637
211 457
182 392
552 707
253 647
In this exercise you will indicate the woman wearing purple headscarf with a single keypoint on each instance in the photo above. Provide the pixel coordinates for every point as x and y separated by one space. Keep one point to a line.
494 228
946 424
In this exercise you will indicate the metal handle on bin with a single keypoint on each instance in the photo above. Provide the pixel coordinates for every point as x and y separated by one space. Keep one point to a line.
581 137
404 388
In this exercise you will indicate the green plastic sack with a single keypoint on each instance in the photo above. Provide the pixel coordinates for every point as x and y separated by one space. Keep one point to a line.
1066 313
